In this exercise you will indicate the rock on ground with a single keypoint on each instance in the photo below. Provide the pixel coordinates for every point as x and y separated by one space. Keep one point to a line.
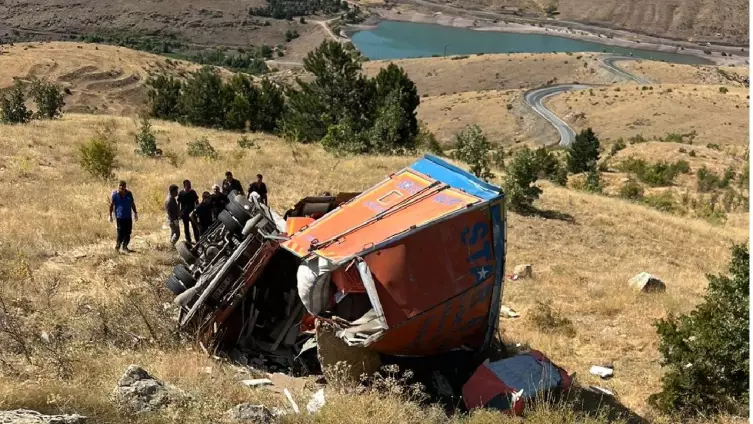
250 413
523 271
137 391
647 283
24 416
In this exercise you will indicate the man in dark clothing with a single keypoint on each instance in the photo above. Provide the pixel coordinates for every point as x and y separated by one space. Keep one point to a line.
122 203
203 214
260 188
172 210
218 200
229 184
188 199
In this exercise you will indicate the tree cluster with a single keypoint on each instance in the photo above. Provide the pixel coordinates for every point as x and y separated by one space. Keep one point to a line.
205 100
48 98
287 9
348 111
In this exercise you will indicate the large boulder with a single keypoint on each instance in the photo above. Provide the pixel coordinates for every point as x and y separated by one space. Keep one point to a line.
647 283
250 413
137 391
25 416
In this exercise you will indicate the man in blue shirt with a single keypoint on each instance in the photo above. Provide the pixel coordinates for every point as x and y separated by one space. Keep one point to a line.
122 203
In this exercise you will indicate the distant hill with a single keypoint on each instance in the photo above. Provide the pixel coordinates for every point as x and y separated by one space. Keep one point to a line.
721 20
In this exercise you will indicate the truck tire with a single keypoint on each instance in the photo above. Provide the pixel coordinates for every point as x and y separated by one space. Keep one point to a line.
239 212
184 276
174 285
230 223
184 250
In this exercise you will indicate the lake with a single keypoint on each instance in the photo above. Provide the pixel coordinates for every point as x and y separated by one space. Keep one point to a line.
400 40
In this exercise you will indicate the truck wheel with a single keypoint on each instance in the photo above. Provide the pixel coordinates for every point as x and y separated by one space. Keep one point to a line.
239 212
174 285
184 276
230 223
184 250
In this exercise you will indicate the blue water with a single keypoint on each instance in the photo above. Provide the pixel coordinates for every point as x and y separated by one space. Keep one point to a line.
400 40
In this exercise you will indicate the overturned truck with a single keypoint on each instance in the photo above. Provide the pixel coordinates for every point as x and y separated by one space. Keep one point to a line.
410 267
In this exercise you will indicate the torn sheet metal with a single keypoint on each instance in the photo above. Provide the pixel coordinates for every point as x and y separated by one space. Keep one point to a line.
429 247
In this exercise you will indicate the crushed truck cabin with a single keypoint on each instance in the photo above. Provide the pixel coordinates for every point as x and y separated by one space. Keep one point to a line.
412 266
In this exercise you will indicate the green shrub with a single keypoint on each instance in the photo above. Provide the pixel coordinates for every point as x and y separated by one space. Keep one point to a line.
659 174
522 173
246 143
12 107
706 353
98 157
707 180
472 147
714 146
692 153
617 146
636 139
664 202
631 190
201 148
550 320
48 98
723 90
146 139
583 151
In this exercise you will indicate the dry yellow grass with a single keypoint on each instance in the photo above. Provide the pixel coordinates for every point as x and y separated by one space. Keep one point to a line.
672 73
435 76
102 79
627 110
447 115
58 269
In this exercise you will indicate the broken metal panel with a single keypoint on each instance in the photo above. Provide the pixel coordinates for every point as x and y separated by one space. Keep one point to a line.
427 268
460 321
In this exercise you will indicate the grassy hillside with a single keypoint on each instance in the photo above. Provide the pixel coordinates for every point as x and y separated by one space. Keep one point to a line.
196 23
99 78
60 275
627 110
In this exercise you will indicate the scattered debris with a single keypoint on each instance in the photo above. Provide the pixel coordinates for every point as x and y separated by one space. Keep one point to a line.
137 391
509 383
258 382
603 372
283 381
25 416
523 271
317 402
45 337
247 412
292 402
647 283
508 312
601 390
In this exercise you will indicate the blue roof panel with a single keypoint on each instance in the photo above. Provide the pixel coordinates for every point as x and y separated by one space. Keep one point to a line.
455 177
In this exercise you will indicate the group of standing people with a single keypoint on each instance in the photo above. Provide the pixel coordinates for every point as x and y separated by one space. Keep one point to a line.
197 214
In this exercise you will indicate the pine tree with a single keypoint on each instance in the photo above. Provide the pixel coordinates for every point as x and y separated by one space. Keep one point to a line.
583 151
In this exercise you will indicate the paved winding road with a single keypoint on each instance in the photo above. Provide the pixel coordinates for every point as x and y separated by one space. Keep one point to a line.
608 62
535 98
